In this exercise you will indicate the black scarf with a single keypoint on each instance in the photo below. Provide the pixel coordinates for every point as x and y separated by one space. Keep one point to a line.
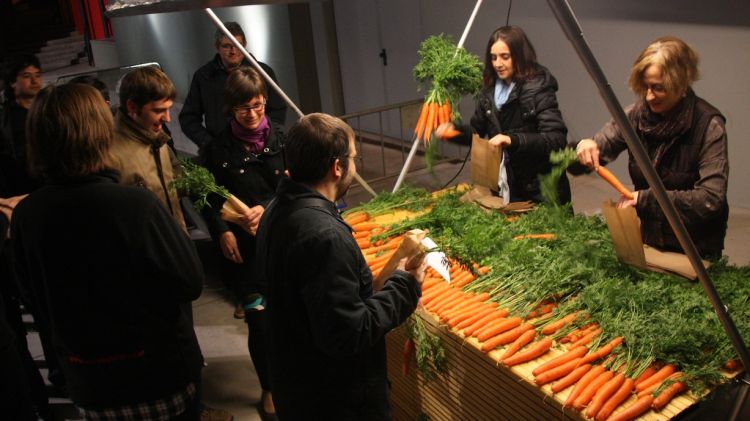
658 128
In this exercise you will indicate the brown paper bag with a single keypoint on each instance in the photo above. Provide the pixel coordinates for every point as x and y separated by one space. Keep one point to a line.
410 247
624 227
485 163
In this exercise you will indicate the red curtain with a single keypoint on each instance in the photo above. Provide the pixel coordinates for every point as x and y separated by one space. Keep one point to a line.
94 15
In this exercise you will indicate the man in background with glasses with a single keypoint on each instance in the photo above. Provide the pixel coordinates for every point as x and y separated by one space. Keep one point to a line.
203 116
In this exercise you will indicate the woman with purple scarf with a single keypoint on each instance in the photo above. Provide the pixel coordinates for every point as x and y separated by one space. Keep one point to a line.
686 141
246 158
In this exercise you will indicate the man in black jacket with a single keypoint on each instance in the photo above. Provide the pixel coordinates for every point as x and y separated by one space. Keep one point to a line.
327 325
203 117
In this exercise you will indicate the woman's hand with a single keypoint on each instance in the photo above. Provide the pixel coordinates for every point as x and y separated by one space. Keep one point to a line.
251 219
624 202
443 128
229 248
588 153
500 141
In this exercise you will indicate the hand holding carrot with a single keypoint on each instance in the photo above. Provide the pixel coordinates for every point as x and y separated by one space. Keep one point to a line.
624 202
228 244
251 218
588 153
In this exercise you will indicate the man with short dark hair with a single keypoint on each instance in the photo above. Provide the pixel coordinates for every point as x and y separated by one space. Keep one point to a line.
203 117
140 150
23 80
327 325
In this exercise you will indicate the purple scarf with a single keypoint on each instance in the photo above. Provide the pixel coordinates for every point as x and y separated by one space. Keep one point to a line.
254 139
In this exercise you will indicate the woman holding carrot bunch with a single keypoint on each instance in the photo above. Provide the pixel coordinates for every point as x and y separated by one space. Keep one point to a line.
246 159
517 111
685 139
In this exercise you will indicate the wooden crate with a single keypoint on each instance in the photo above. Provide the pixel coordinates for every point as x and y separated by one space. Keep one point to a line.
476 387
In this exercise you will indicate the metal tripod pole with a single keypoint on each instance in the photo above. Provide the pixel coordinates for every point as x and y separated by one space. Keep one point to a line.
569 24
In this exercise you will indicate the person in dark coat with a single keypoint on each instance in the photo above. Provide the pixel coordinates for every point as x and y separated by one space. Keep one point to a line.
15 394
686 142
246 158
202 117
517 111
108 266
327 325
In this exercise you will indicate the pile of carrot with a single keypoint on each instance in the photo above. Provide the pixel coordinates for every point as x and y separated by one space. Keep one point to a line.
433 114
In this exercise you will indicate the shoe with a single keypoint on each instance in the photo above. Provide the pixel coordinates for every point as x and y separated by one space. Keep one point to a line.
215 414
239 312
265 416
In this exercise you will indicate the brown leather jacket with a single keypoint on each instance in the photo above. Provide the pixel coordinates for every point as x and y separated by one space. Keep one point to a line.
694 168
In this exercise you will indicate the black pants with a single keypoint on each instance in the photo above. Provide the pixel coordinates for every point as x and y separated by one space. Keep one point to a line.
15 395
256 344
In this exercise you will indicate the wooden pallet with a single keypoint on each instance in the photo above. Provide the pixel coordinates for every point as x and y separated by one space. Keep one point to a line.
476 387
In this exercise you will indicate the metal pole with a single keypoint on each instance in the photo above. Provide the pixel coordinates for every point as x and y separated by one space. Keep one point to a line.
414 145
567 20
270 81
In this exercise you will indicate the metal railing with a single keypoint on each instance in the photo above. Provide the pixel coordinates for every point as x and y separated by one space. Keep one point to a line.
370 128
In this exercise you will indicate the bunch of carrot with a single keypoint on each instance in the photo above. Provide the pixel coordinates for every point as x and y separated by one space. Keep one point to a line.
434 113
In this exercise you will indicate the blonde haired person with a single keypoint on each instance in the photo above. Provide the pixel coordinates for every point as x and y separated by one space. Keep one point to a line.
686 142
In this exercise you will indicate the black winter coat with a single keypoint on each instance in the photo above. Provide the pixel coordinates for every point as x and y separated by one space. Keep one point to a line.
532 119
205 99
326 325
115 275
253 178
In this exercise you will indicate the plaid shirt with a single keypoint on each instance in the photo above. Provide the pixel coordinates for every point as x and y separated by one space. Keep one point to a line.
158 410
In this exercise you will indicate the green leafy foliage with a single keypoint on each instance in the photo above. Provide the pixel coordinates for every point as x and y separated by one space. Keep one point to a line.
430 354
198 182
661 317
449 72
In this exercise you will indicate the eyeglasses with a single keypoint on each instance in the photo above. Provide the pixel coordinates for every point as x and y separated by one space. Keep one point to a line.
228 47
245 109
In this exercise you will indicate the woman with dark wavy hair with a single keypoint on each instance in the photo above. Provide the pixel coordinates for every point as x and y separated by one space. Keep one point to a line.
517 111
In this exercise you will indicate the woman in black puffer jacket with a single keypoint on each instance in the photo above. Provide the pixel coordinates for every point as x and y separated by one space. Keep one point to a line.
517 111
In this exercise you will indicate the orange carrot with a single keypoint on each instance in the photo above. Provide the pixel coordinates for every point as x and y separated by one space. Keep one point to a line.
733 365
560 360
660 375
587 338
446 111
668 394
546 236
583 384
365 226
541 310
421 121
484 321
360 217
430 124
364 243
450 133
519 343
612 180
602 351
473 319
461 311
650 390
408 354
450 303
533 352
556 373
555 326
499 328
622 394
603 394
648 372
571 378
634 410
435 292
585 397
506 337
